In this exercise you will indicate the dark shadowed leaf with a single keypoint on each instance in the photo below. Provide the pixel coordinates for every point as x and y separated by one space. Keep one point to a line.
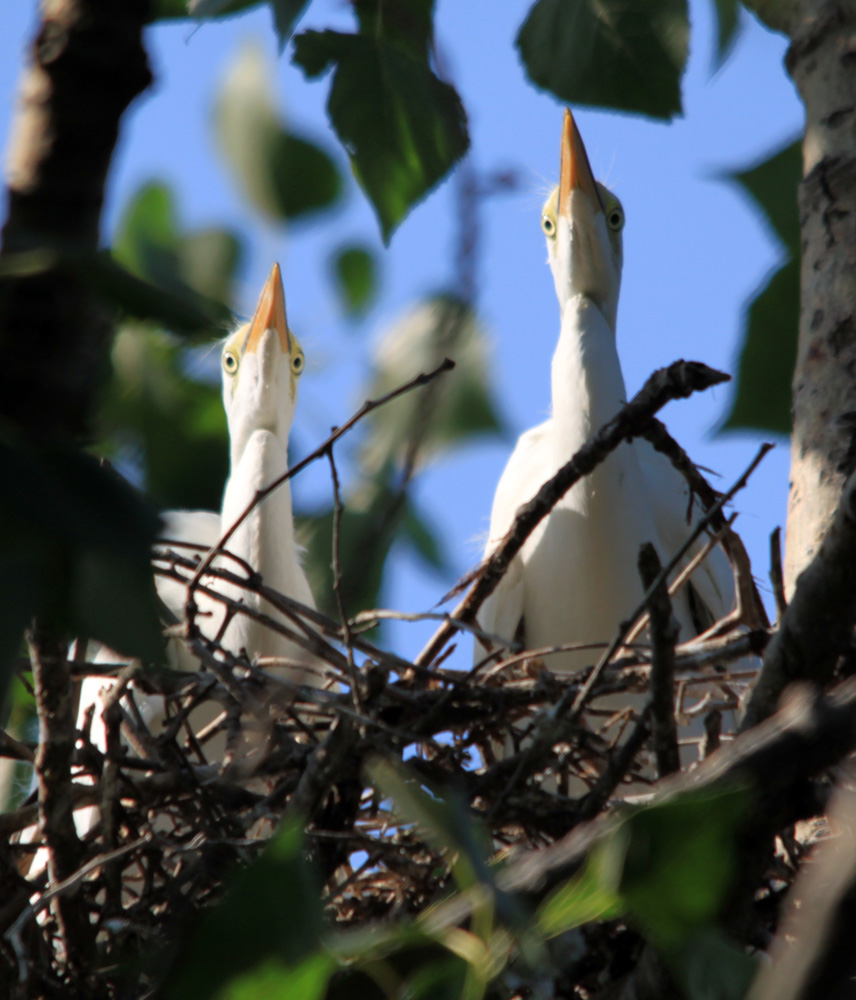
355 271
710 967
285 15
403 128
368 528
727 23
274 980
283 175
417 530
150 397
212 9
453 409
75 540
772 186
408 25
608 53
198 268
679 861
762 393
270 921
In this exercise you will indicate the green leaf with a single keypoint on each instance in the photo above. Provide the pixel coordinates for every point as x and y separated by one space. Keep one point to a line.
403 128
608 53
450 412
762 391
274 980
368 528
591 895
74 548
212 9
727 23
148 398
772 185
285 16
421 536
269 922
283 175
355 271
679 862
408 25
709 967
197 269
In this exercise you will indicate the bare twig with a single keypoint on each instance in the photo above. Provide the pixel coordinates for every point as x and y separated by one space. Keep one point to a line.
777 576
664 632
679 380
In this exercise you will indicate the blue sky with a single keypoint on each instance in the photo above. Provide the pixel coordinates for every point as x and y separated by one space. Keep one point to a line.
694 250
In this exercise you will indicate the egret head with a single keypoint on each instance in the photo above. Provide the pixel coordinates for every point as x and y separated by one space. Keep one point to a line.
583 222
262 363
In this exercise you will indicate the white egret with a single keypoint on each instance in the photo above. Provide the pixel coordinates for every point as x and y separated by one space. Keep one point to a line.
261 366
575 579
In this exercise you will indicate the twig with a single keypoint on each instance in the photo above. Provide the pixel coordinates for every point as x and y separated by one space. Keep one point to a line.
777 576
53 770
425 378
337 584
664 632
748 599
679 380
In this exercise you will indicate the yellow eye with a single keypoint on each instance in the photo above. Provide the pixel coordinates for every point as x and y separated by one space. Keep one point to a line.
548 224
615 219
297 363
230 362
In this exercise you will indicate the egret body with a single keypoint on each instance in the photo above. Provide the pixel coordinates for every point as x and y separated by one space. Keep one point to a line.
575 579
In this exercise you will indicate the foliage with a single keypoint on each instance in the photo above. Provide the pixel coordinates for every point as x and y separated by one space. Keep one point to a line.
762 396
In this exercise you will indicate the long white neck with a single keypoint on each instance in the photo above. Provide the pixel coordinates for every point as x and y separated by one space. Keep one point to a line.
265 540
588 387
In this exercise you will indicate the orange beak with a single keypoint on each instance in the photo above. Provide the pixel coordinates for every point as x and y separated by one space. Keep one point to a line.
574 168
270 314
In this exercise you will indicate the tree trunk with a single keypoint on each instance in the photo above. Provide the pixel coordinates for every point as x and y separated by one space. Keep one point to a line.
822 62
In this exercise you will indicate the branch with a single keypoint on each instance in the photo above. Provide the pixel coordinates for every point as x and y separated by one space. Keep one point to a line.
679 380
664 632
424 378
87 65
818 623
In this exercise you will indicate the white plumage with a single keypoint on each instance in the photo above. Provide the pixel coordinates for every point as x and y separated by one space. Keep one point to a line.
575 579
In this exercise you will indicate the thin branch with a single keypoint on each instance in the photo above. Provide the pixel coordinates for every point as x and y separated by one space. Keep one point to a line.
425 378
664 632
777 576
679 380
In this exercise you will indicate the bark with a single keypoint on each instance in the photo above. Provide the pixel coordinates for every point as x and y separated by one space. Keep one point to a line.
87 64
822 62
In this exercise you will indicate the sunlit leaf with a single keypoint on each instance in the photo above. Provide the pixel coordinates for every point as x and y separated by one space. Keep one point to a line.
588 896
355 271
453 409
269 922
403 128
608 53
282 174
274 980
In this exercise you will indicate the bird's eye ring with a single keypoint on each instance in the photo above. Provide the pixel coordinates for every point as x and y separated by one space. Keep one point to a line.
230 362
615 219
297 363
548 224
